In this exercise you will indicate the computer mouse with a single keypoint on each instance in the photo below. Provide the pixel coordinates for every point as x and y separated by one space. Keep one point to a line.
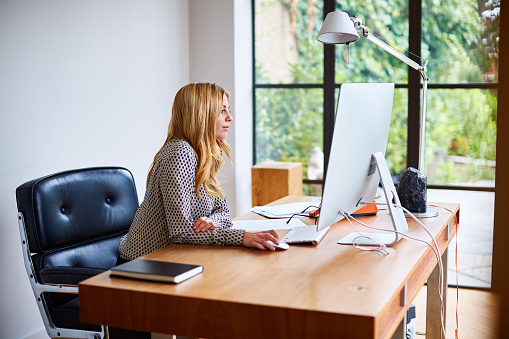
281 246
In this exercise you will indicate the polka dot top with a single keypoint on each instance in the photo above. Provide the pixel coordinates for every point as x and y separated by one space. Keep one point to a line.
171 206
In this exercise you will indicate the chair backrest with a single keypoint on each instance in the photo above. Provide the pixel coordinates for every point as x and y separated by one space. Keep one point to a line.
75 219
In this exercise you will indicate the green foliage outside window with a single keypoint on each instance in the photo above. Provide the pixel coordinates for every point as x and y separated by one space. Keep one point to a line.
289 124
387 20
459 40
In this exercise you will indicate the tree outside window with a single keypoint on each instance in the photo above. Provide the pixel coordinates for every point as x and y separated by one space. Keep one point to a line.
460 40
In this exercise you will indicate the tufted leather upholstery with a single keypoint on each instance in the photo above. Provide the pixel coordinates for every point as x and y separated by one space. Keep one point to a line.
73 222
74 207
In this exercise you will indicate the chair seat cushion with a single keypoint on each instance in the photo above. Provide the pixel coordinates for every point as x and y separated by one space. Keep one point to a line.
72 265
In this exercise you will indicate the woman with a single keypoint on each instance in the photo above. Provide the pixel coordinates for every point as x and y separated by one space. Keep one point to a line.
184 202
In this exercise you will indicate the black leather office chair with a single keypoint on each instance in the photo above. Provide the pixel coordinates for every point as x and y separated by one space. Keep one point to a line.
70 225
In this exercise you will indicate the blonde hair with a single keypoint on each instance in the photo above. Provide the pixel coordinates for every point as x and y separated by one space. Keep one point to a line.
194 113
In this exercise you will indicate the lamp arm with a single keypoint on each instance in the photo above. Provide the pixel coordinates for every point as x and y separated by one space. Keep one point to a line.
357 22
394 52
422 71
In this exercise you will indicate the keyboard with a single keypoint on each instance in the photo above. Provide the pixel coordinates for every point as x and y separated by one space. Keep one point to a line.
305 234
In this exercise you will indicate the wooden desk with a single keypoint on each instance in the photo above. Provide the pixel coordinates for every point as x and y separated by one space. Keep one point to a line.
325 291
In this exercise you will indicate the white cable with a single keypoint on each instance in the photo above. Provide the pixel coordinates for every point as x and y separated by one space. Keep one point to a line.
436 251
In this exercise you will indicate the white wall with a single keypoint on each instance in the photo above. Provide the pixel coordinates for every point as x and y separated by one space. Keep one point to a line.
90 83
220 51
82 83
243 90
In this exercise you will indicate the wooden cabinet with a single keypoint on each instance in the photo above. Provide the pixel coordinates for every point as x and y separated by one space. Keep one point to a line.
272 180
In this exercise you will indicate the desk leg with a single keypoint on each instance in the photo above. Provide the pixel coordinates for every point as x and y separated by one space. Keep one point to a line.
401 330
433 305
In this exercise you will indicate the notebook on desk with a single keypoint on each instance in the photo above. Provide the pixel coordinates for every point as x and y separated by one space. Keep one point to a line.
159 271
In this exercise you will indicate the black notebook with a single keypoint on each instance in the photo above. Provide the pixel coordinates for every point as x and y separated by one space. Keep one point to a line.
156 271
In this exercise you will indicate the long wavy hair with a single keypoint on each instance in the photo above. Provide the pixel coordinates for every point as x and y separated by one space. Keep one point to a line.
194 113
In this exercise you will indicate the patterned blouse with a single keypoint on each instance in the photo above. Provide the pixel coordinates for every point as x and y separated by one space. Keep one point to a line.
171 206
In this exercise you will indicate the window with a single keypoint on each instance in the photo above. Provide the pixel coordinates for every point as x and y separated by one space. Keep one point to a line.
462 40
289 70
296 80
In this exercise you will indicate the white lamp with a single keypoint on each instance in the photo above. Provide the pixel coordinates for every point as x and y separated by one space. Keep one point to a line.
339 28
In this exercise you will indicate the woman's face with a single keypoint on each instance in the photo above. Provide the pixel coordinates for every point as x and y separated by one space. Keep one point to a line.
223 121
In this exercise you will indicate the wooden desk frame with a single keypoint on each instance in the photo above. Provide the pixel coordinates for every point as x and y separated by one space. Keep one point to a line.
325 291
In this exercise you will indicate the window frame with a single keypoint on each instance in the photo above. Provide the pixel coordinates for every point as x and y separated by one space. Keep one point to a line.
414 88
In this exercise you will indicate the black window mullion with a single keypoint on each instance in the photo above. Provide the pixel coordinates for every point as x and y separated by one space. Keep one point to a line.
328 89
288 86
414 83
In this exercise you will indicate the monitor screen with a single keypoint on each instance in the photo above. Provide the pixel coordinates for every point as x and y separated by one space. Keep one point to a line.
361 128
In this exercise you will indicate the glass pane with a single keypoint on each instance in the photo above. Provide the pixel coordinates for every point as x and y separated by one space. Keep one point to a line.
289 126
460 137
312 189
396 152
460 40
286 50
475 238
386 20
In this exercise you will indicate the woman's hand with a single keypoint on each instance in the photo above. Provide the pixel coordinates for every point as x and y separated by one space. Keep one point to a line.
203 224
260 240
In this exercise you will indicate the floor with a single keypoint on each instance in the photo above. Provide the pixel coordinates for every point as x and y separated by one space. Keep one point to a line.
477 314
474 239
477 306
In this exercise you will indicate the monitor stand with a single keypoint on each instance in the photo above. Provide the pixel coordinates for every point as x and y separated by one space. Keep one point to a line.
397 216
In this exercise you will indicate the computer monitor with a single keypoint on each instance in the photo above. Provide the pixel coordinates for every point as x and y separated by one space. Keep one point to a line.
357 160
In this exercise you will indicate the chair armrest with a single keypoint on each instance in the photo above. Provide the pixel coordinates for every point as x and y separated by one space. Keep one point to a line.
44 288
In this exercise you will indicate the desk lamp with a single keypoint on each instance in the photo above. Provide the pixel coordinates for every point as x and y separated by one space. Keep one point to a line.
339 28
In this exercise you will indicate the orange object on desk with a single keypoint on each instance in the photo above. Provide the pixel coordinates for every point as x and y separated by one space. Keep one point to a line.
314 213
363 211
366 210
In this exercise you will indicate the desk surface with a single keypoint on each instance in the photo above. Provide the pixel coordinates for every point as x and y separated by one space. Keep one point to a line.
306 291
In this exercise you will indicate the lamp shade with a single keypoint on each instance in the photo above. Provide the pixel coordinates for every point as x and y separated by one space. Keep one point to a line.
337 29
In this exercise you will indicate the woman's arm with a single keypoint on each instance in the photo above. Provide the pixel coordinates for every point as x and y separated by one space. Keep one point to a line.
221 213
